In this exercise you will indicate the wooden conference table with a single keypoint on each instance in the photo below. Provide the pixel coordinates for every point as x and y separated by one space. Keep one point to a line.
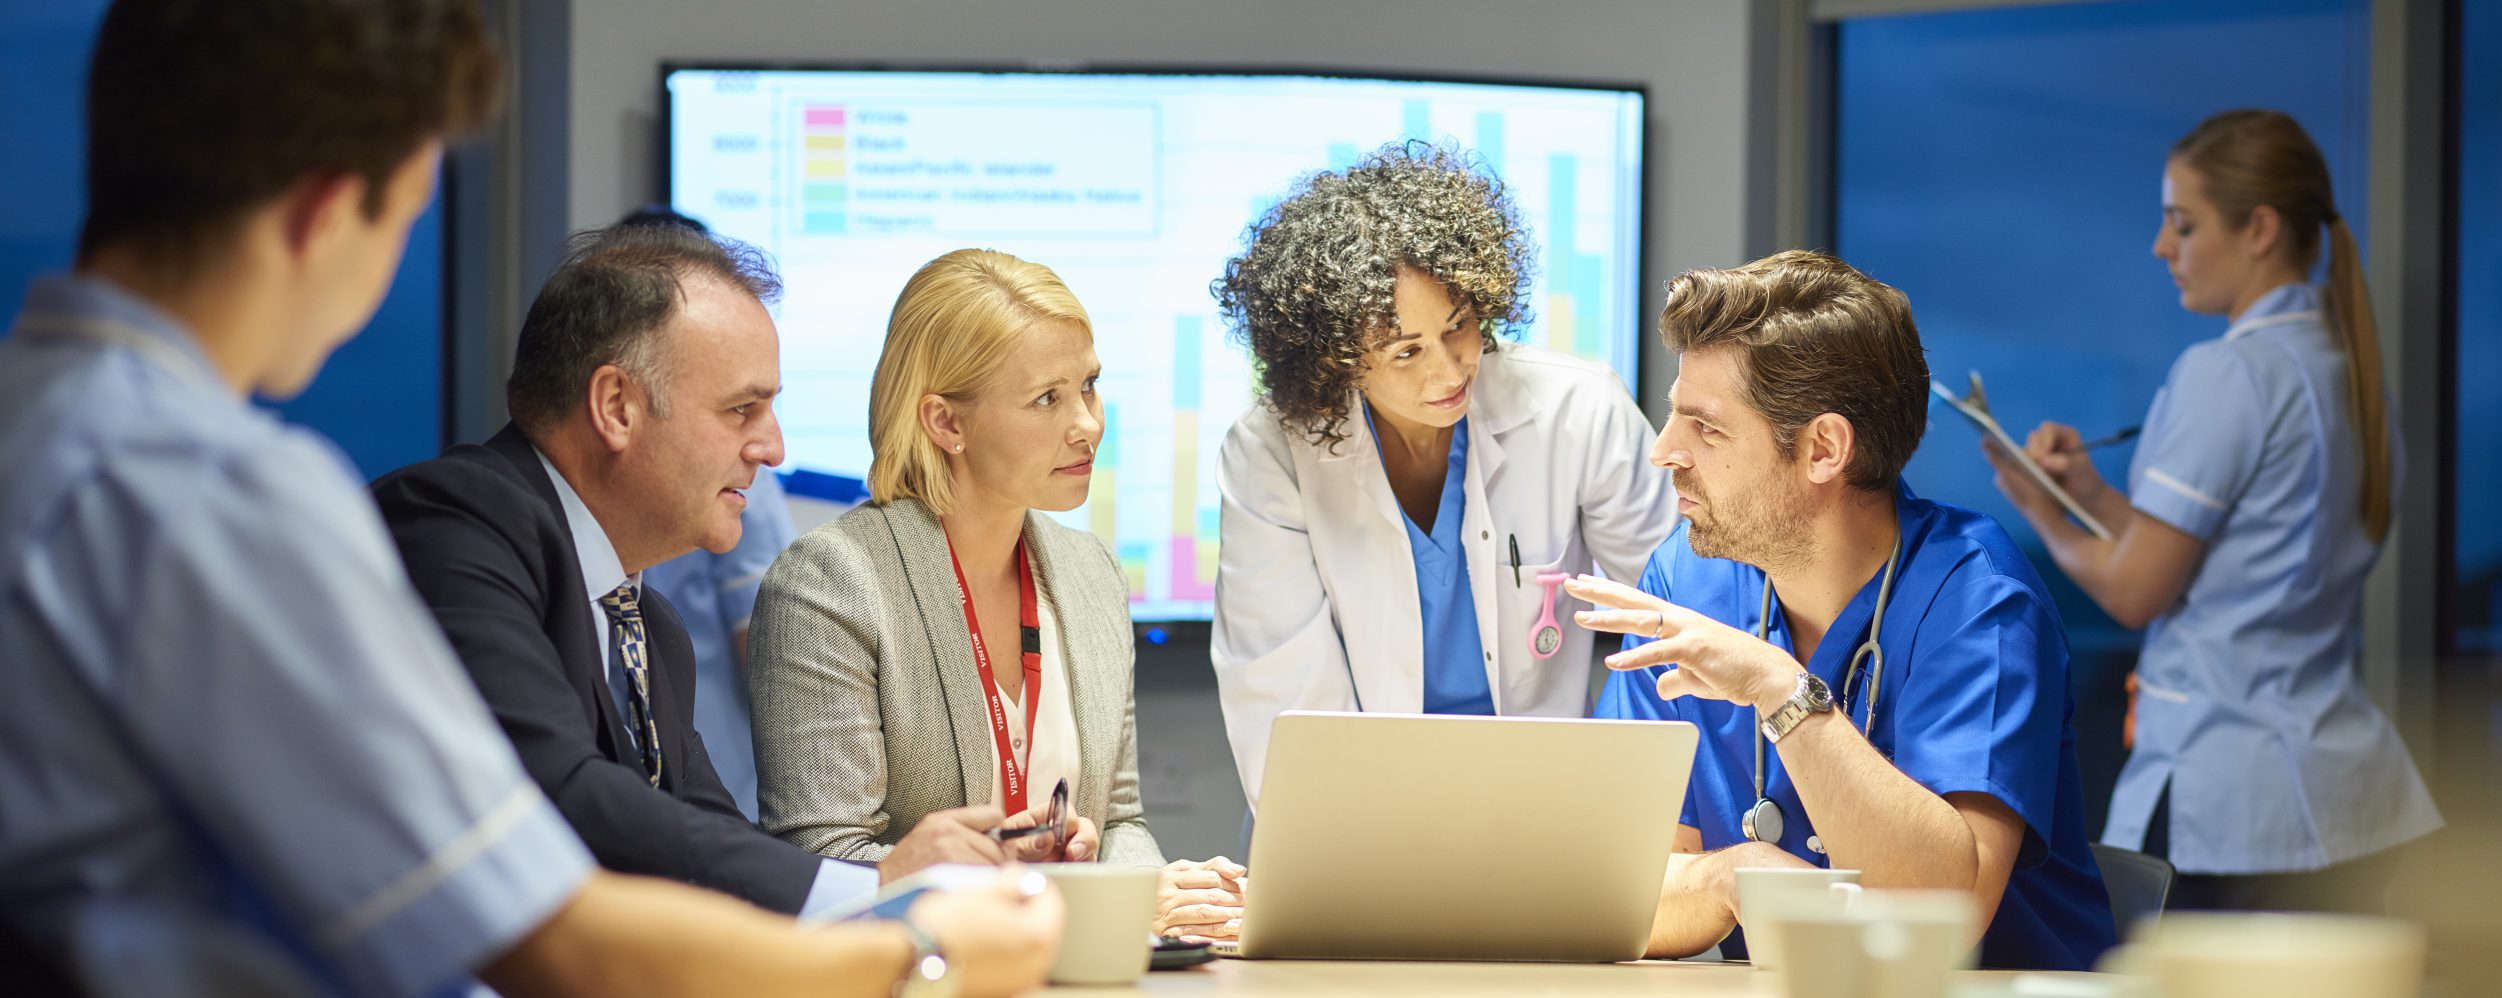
1648 978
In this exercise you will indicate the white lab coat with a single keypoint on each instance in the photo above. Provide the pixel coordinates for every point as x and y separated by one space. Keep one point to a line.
1316 603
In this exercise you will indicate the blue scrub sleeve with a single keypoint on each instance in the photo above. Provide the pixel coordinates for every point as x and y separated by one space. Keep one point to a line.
1634 695
1977 702
2204 440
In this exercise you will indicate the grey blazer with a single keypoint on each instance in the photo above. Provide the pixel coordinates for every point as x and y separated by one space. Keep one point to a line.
869 712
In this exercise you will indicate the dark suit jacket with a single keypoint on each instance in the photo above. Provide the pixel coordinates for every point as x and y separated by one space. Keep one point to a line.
485 540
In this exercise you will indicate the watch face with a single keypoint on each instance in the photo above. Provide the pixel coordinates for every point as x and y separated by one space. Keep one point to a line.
1819 696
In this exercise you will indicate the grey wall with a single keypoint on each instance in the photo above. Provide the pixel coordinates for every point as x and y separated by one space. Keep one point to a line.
1694 54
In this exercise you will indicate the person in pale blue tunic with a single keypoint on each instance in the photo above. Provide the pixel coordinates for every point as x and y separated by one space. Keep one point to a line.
2258 500
237 755
716 596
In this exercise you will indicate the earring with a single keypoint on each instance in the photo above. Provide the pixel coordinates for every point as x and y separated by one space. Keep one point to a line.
959 448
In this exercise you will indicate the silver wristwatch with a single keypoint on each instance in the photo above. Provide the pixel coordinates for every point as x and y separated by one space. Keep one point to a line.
930 974
1812 697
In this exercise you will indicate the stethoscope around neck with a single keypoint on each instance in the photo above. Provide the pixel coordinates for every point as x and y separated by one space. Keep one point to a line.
1763 822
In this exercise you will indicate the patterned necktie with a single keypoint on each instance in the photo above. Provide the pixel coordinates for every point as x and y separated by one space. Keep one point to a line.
625 610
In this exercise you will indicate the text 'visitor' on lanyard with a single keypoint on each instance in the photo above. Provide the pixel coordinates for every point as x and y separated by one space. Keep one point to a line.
1029 626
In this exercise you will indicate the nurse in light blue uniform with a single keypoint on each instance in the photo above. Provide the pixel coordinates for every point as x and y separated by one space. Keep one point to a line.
715 595
2257 502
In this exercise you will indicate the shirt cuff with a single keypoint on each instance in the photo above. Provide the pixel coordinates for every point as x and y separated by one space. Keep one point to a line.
2034 847
838 884
2177 503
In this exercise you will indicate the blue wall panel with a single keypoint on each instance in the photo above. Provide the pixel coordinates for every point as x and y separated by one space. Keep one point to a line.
2479 387
381 397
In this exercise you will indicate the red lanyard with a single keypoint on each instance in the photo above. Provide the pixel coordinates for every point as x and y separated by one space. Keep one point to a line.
1011 769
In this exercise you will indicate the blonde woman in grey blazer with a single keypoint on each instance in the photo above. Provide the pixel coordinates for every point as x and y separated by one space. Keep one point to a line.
872 709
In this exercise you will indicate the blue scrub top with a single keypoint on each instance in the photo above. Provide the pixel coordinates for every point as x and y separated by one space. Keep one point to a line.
1974 698
1455 657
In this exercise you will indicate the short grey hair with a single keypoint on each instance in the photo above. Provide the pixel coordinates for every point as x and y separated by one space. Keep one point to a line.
607 303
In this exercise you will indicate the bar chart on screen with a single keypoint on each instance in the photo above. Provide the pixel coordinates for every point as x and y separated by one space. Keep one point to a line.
1134 189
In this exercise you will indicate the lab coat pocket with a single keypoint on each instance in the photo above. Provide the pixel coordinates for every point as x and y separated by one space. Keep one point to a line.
1558 683
1530 607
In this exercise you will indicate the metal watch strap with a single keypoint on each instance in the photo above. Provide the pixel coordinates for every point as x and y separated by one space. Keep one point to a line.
1811 697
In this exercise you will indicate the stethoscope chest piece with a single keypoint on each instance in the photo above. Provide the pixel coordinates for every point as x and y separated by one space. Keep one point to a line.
1762 822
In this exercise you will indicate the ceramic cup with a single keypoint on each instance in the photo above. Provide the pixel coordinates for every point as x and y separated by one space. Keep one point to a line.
1882 944
1769 895
1111 922
2214 954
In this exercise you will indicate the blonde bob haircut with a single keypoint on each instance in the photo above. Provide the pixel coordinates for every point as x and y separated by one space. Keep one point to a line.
950 333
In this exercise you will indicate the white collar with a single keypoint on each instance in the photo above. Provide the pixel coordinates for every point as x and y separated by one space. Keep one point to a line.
2284 306
602 572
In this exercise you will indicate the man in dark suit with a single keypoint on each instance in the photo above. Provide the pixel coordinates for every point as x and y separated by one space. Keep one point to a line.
642 404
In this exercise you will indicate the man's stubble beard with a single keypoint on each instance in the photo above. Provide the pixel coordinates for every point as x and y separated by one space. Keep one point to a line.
1766 528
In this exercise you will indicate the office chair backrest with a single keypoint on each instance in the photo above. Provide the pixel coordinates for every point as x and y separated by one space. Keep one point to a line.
2138 884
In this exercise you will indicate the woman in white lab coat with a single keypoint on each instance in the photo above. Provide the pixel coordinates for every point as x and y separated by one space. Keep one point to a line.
1406 477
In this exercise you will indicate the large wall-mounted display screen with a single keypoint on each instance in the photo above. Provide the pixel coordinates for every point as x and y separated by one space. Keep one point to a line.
1135 187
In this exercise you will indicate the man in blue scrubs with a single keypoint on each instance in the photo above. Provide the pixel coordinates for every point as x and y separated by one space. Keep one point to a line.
1897 659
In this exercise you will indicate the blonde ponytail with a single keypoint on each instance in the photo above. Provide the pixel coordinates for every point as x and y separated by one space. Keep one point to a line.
2350 311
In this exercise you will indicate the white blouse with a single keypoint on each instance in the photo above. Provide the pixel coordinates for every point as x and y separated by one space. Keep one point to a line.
1050 751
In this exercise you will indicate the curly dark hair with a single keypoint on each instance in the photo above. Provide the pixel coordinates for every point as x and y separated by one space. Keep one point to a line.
1311 292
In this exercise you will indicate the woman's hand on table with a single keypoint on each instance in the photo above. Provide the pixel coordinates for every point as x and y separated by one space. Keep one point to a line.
1201 900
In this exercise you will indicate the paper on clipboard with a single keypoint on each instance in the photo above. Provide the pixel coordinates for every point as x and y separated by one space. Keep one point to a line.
1975 407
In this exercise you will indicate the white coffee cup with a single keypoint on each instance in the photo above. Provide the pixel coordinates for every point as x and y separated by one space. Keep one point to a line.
1111 921
1884 944
1767 895
2212 954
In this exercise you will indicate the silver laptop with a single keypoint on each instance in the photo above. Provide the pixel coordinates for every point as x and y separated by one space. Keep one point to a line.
1419 837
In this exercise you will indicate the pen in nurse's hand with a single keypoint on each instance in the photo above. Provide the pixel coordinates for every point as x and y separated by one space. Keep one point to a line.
2121 437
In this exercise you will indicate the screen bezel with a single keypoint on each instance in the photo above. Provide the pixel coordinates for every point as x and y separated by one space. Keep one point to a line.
1072 67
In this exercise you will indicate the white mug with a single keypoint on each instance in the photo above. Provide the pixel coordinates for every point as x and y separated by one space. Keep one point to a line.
2213 954
1885 944
1767 895
1111 921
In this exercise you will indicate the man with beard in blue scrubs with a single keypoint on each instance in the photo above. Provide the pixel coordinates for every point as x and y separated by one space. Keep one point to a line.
1881 680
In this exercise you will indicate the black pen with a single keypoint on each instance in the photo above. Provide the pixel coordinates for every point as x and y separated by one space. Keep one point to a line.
1515 539
2121 437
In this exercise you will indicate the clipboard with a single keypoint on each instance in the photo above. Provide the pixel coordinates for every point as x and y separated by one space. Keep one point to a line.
1975 407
